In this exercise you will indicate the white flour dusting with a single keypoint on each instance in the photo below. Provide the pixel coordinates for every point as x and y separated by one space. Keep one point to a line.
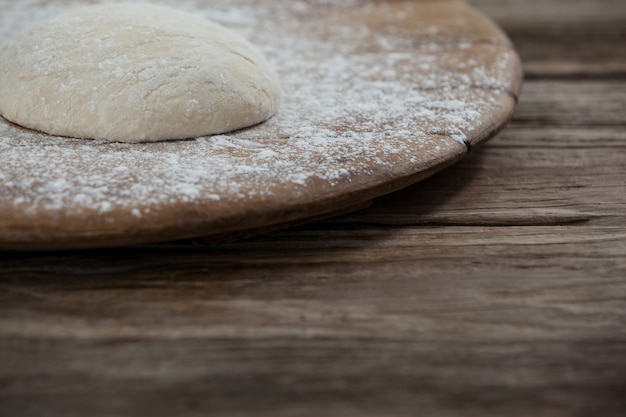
356 102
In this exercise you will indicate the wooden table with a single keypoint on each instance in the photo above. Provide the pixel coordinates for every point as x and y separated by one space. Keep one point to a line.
495 288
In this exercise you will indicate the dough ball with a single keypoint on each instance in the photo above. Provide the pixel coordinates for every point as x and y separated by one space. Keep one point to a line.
134 73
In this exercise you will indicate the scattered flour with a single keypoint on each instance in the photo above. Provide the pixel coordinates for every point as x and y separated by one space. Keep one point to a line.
354 101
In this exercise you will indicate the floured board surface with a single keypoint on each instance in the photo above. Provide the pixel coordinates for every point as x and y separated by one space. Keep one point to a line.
378 95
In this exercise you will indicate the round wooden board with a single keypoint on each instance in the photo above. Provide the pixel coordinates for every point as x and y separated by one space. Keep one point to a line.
379 95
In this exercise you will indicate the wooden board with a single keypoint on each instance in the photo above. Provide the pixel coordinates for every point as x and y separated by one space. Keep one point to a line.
379 95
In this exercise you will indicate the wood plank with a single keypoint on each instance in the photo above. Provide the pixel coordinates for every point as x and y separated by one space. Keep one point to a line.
597 51
556 12
565 39
309 376
572 103
288 376
349 322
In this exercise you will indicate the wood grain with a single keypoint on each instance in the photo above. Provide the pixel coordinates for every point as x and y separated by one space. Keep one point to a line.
345 322
589 36
494 288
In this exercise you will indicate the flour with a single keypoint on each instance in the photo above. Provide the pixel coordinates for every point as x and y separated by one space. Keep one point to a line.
356 102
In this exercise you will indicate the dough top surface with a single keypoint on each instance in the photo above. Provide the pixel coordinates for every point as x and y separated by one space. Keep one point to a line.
134 72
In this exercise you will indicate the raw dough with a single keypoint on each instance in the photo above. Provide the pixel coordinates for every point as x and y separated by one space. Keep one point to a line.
133 73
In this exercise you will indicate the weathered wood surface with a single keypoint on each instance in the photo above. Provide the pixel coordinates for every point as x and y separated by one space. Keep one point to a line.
565 38
500 291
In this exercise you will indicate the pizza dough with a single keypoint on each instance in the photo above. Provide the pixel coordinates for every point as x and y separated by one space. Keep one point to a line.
134 73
